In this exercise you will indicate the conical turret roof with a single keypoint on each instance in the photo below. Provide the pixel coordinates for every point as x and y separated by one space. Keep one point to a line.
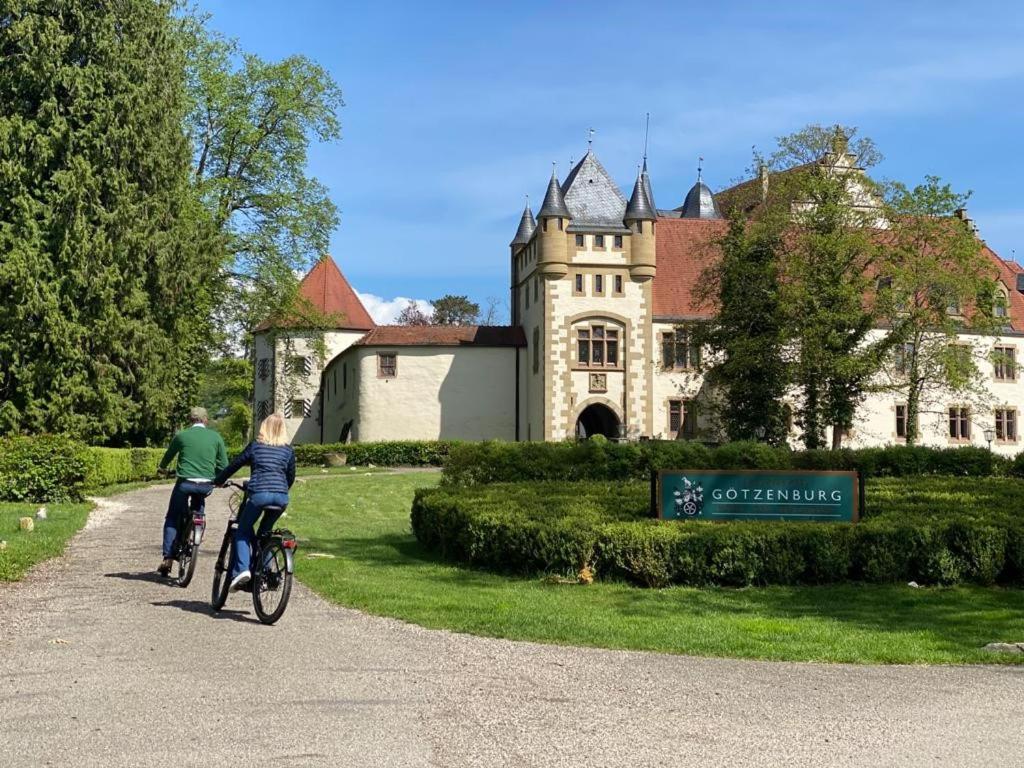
527 225
640 207
554 200
647 186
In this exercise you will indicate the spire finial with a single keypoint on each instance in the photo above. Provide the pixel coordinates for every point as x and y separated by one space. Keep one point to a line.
590 139
647 131
700 168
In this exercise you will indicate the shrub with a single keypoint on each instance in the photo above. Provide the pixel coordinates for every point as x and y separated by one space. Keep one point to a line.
109 466
931 530
500 462
397 453
44 468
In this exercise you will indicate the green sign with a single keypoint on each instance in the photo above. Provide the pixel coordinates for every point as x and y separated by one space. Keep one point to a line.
704 494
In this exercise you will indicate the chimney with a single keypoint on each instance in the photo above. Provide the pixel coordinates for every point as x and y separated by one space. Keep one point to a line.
961 213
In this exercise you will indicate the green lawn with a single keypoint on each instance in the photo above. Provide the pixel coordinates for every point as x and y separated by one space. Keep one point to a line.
379 567
47 540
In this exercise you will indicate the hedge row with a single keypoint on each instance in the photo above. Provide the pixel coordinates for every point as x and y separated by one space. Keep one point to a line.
51 468
396 453
494 462
915 529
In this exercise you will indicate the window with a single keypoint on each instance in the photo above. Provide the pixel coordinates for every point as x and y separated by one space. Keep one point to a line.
959 423
579 284
544 224
902 422
1006 425
679 351
536 284
597 346
1005 363
298 409
344 376
618 284
559 224
526 295
299 365
579 241
1000 303
387 365
599 241
640 227
682 419
618 241
263 368
263 409
903 355
599 284
537 349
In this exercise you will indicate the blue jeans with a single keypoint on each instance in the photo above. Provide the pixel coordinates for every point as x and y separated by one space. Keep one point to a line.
245 534
177 508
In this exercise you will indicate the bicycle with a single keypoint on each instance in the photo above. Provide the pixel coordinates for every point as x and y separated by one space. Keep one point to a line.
272 564
190 536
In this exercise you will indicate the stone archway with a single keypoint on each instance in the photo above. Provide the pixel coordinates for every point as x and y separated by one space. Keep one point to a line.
597 419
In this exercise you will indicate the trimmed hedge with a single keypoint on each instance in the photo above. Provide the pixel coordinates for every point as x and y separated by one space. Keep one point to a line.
916 529
395 453
56 469
494 462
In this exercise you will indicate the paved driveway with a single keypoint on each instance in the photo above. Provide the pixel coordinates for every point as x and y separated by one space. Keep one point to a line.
102 664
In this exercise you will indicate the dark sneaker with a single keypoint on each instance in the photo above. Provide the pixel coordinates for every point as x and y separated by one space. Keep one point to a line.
165 566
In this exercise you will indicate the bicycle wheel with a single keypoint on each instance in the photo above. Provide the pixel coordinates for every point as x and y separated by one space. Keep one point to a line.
221 582
187 556
271 583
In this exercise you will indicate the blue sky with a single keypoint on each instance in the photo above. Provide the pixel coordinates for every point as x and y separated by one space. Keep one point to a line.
456 110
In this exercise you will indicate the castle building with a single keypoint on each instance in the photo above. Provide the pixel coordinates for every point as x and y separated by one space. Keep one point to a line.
601 294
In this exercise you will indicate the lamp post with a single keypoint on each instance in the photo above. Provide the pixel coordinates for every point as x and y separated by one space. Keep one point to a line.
990 435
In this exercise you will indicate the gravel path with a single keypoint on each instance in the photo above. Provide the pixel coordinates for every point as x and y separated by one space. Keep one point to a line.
102 664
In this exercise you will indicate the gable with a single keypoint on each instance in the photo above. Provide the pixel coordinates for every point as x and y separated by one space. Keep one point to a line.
593 199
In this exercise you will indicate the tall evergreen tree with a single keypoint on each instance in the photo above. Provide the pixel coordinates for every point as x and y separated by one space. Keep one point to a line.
106 252
748 334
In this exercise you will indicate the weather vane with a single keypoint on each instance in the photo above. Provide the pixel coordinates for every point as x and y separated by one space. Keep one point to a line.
590 138
700 167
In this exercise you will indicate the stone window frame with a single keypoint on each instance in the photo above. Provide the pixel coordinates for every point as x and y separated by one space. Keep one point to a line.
617 243
599 243
382 368
1008 414
305 408
906 421
618 285
579 285
304 364
963 418
1004 362
581 241
590 328
672 337
1001 303
686 406
596 279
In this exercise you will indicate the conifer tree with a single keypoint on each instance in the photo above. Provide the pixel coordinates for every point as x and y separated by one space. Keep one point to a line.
106 253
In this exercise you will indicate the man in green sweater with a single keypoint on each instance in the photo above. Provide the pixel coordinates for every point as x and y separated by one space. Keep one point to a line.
201 455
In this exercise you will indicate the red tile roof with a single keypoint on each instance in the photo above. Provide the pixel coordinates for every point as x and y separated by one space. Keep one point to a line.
329 293
443 336
684 248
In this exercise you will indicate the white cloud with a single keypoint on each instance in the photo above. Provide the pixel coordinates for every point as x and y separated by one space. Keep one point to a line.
385 311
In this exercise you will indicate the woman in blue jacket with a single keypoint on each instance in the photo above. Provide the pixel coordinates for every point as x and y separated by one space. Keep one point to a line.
273 472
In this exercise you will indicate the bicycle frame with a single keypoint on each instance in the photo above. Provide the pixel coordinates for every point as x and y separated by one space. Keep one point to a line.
286 537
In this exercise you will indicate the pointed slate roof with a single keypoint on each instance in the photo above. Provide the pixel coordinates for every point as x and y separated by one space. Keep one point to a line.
554 201
593 199
527 226
647 186
328 293
640 207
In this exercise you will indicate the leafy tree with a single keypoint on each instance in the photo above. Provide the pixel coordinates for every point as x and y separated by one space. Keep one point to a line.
829 253
455 310
412 315
225 381
106 250
748 334
937 284
251 123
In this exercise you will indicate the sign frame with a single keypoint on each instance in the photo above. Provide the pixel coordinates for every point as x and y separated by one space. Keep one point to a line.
658 476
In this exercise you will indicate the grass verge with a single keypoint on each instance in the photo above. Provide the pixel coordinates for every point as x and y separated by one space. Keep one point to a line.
380 568
23 550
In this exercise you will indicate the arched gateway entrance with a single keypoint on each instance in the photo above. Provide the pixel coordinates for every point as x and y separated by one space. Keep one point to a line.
597 419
